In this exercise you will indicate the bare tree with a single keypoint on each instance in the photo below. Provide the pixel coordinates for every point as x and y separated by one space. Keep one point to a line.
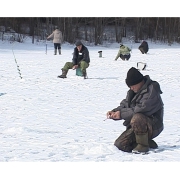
166 29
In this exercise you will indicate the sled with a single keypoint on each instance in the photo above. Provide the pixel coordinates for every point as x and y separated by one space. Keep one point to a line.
79 72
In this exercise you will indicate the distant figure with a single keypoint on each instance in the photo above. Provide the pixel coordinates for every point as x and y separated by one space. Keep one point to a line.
144 48
142 111
123 53
57 40
80 60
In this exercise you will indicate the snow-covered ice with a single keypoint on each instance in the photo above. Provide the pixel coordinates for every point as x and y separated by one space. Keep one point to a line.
47 119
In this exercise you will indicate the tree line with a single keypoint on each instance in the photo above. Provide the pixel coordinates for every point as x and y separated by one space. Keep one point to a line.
97 29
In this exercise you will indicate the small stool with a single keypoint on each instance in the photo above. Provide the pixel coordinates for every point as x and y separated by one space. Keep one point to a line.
79 72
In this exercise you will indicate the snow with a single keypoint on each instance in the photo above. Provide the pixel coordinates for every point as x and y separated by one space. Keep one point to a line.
47 119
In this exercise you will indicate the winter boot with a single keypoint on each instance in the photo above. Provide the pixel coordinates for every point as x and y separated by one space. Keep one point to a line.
152 144
55 51
143 145
84 75
59 51
63 75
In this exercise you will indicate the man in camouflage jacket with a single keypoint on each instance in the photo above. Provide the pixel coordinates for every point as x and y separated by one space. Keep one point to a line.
123 53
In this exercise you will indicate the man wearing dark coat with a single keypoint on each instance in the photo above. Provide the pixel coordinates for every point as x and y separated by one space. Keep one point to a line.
81 59
144 48
142 111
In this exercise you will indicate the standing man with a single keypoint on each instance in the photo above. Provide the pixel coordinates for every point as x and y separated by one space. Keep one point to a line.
80 60
142 110
57 40
144 48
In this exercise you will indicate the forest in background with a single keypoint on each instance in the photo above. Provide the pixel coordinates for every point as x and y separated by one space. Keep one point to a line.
92 29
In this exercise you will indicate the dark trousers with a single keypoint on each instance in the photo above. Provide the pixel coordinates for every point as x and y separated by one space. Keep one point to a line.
57 46
123 57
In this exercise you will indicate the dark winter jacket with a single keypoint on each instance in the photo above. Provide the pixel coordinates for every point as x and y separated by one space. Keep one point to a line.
145 46
147 101
83 55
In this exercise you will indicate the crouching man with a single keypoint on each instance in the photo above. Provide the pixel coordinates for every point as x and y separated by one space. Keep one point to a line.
142 111
144 48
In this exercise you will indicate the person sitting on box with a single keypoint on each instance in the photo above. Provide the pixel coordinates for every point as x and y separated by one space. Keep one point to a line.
81 59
